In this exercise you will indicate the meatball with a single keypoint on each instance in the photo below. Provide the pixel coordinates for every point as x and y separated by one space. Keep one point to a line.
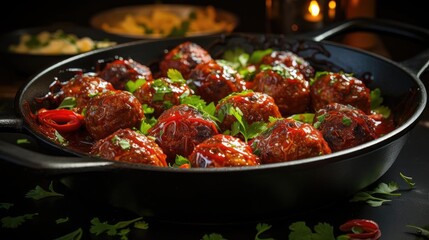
213 81
161 94
344 126
111 111
342 88
120 71
184 57
180 128
127 145
287 140
288 87
223 151
254 106
82 88
289 59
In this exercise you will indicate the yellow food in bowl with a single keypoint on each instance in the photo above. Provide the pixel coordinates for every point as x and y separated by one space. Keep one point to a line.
164 22
56 43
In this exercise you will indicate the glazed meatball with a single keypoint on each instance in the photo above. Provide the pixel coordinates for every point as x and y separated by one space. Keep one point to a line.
213 81
289 59
184 57
342 88
223 151
111 111
287 140
82 87
344 126
180 128
120 71
254 106
161 94
288 87
127 145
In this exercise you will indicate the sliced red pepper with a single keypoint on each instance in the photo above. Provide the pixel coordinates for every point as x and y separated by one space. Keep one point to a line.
63 120
368 229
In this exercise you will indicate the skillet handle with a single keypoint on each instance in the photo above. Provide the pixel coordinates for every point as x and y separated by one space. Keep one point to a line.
416 64
48 163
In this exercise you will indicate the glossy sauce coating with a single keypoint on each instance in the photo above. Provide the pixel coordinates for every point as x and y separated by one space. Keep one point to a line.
179 129
255 106
287 140
127 145
82 87
120 71
213 81
340 88
111 111
223 151
184 57
289 59
161 94
291 92
344 126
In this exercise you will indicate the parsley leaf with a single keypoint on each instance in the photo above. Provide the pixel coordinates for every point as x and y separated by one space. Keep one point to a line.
213 236
303 117
14 222
5 205
376 101
421 231
98 227
68 103
22 140
180 160
39 193
408 180
61 220
75 235
175 76
241 125
132 86
261 228
300 231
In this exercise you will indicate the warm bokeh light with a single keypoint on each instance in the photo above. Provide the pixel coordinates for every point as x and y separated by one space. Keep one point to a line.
314 8
332 4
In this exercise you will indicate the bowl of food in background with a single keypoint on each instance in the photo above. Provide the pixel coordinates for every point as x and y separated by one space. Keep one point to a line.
31 50
164 20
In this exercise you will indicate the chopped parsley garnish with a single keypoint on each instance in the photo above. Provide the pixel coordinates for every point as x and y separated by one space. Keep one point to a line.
68 103
376 103
346 121
208 110
303 117
175 76
132 86
123 143
22 141
146 124
241 125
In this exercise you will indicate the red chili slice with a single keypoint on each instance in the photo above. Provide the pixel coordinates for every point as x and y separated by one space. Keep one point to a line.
368 229
63 120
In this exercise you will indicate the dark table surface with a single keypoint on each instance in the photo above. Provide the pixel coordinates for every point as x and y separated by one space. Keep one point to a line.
410 208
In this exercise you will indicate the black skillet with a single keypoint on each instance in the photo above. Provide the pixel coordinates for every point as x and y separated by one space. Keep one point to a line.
228 195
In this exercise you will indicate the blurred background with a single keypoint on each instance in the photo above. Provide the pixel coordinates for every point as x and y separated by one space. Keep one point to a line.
258 16
255 15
